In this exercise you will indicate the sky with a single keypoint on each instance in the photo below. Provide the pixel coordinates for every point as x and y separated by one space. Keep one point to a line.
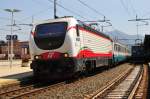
117 11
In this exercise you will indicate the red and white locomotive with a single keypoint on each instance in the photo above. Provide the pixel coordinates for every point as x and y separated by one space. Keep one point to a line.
64 46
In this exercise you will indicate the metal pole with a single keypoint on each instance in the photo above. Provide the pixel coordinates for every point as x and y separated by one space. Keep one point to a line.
137 30
55 9
137 25
8 49
11 40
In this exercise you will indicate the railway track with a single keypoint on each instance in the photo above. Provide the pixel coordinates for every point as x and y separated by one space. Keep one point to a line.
123 87
33 92
142 89
8 86
27 91
15 91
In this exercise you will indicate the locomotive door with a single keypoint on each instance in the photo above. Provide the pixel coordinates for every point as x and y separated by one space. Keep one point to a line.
79 48
78 39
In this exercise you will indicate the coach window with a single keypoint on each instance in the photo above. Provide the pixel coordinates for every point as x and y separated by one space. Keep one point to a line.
115 47
119 49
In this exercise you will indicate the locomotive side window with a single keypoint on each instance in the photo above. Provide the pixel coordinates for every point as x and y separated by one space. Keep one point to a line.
77 30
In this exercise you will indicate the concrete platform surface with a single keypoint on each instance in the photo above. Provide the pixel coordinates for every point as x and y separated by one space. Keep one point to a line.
7 71
14 62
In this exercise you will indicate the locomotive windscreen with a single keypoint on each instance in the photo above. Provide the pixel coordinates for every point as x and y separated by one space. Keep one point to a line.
50 35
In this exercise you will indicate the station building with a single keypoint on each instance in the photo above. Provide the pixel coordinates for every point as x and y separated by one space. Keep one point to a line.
20 49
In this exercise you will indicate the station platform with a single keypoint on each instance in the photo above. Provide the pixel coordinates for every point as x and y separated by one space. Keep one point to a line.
13 74
6 71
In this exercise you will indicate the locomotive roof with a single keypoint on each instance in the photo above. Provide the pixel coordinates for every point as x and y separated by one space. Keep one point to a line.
53 20
80 23
86 26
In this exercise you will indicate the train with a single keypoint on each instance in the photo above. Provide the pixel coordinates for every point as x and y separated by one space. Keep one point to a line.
138 54
121 52
64 47
147 48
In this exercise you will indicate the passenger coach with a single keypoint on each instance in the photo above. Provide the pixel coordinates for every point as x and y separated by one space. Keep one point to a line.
121 52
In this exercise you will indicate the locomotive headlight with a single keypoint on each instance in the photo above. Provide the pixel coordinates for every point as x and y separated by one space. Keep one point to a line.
66 55
37 57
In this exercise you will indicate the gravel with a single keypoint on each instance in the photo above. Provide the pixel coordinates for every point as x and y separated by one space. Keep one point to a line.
83 87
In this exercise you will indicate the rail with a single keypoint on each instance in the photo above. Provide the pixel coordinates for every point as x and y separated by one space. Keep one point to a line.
123 86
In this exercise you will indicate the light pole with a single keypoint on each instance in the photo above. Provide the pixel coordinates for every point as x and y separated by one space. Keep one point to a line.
55 9
8 38
11 41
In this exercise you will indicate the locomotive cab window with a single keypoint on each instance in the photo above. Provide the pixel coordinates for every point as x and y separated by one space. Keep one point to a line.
50 35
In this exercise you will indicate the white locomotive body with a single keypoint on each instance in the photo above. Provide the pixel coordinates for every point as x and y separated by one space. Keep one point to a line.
64 46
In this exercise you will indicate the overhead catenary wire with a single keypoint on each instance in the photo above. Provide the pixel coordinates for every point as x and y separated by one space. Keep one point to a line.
8 19
91 8
126 8
42 11
133 9
146 14
67 9
40 3
135 12
116 37
49 8
97 12
4 18
39 12
45 11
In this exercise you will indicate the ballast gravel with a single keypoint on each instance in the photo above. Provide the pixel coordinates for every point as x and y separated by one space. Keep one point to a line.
83 87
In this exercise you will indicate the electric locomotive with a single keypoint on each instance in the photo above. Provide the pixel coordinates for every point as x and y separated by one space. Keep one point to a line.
138 55
62 47
147 48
